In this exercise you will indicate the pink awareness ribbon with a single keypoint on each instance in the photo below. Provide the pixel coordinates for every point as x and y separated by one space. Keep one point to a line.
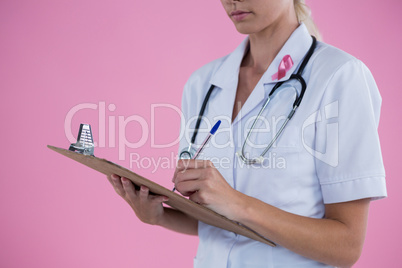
284 66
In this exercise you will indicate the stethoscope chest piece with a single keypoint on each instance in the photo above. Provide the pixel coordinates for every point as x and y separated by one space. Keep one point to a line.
187 153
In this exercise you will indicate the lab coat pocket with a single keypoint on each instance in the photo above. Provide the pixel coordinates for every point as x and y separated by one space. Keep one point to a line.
276 180
290 139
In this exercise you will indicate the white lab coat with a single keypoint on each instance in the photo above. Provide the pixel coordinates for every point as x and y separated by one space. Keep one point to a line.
328 153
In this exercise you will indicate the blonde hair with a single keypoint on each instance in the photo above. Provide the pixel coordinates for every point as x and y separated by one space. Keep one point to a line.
303 13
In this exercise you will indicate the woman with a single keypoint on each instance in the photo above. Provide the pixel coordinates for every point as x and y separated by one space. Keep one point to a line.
314 204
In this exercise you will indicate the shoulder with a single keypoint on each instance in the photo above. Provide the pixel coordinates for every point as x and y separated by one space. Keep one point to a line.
198 85
339 76
333 66
331 59
201 77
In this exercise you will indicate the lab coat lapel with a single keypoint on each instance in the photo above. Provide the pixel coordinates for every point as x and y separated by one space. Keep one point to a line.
226 77
297 46
256 97
225 80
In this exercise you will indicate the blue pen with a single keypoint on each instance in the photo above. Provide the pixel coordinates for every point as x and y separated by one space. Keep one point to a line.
212 132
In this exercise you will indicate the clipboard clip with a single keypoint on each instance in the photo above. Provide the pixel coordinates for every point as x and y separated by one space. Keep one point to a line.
85 142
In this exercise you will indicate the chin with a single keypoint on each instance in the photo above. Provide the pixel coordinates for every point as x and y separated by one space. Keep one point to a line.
244 29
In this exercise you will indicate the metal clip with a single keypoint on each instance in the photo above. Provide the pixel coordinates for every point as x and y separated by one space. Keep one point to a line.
85 143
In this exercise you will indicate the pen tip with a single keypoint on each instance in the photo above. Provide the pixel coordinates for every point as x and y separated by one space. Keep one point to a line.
215 128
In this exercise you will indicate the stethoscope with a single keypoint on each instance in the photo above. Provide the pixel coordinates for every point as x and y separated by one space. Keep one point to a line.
186 154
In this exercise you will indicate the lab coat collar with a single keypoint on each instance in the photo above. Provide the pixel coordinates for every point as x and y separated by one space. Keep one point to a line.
226 77
228 73
296 46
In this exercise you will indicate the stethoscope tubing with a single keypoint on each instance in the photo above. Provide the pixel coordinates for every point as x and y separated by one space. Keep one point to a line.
296 104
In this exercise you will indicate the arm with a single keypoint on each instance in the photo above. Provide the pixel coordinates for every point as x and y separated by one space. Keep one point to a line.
149 208
336 240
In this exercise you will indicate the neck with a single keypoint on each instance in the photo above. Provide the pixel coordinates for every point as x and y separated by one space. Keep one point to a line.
266 44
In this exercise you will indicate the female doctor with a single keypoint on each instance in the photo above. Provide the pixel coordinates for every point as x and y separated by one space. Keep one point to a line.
310 192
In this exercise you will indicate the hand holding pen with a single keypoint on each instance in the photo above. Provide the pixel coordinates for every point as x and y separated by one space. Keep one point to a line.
212 132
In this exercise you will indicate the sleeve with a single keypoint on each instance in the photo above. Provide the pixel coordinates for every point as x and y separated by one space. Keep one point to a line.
349 165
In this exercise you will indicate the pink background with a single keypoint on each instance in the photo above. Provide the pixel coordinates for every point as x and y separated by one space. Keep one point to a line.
55 54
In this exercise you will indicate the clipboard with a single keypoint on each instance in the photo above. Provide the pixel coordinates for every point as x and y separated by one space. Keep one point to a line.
176 201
